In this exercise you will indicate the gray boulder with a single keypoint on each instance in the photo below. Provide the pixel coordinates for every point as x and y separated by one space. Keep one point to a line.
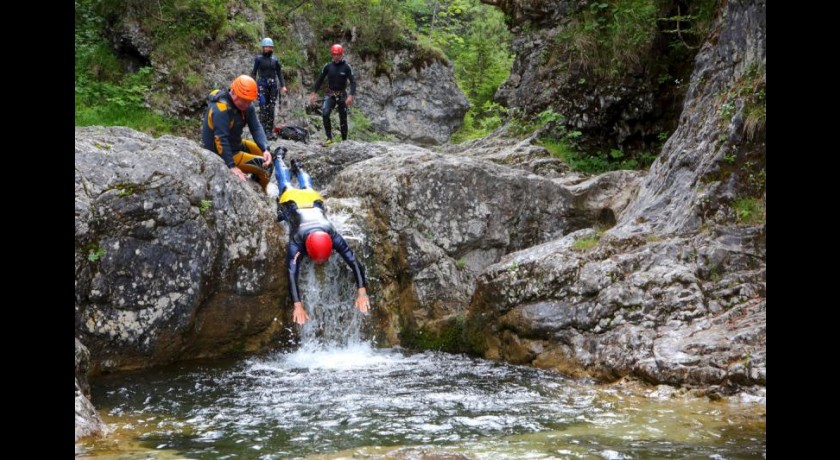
435 221
417 102
88 422
174 257
677 310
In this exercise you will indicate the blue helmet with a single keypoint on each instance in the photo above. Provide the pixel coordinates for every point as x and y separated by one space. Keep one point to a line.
267 42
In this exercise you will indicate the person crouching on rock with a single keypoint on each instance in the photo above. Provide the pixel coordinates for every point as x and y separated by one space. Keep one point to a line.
221 131
310 233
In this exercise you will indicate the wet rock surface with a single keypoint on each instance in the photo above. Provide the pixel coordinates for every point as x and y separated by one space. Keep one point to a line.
174 258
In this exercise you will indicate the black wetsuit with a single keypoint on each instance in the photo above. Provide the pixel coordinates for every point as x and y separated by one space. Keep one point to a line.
304 220
337 75
270 81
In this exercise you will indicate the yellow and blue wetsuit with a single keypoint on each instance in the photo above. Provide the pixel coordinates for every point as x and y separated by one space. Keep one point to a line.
221 132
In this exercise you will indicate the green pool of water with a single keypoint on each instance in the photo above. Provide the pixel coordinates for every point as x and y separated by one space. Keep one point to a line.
359 402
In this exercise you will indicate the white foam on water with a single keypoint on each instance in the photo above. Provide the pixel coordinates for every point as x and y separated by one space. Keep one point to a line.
351 356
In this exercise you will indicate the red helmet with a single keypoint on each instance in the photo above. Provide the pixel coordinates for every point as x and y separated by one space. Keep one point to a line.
336 49
319 246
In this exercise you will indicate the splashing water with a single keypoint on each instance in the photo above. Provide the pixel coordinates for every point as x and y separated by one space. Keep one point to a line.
360 401
328 292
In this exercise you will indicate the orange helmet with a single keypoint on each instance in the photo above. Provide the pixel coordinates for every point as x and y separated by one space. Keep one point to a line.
244 87
319 246
336 49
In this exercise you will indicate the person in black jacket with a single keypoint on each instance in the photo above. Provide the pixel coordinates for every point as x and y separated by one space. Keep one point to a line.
311 234
338 73
269 76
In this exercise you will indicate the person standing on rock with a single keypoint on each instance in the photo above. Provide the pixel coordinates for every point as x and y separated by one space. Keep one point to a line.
310 233
228 112
269 75
338 73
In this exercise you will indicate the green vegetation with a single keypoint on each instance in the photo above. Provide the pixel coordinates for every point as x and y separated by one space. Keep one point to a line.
180 29
475 38
480 121
744 165
608 37
611 34
563 144
586 243
598 162
126 189
204 206
755 118
361 128
106 94
750 211
95 253
449 338
461 264
374 26
752 88
756 177
523 125
605 41
727 110
749 93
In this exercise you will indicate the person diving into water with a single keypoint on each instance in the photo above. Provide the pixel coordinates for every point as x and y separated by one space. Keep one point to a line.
311 234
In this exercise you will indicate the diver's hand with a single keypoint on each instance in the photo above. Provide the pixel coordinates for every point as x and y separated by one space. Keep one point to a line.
362 300
299 315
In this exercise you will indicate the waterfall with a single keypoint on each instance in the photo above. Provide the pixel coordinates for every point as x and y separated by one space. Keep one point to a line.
328 291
